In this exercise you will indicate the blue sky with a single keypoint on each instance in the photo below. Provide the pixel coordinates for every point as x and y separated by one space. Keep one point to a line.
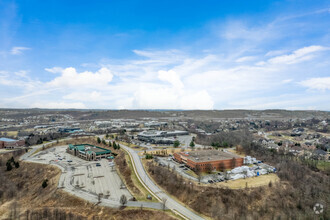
165 54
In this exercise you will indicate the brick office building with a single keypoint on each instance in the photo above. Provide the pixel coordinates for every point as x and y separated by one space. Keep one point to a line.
206 160
11 143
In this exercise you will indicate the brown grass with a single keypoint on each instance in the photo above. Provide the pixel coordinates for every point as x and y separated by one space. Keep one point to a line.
29 196
262 180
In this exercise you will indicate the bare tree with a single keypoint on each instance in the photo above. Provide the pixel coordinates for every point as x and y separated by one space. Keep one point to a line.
199 173
123 200
99 197
209 168
222 166
164 200
233 162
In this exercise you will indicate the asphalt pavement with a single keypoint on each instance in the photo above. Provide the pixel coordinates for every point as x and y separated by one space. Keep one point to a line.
171 203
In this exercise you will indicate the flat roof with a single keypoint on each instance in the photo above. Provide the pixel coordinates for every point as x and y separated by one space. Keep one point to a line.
208 155
152 133
89 148
7 139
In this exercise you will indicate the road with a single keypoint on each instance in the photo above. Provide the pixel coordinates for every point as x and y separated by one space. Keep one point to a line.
66 183
156 191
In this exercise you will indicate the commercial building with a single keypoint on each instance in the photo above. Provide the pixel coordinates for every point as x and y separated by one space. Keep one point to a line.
88 151
208 160
155 124
69 130
11 143
157 136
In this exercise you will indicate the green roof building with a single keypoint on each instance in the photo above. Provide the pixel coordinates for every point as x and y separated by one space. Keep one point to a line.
88 151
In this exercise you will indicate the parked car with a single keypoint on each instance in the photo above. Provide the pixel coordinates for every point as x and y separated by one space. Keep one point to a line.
98 164
210 181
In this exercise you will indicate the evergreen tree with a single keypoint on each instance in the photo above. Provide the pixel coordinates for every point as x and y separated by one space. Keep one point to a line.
192 144
9 167
45 183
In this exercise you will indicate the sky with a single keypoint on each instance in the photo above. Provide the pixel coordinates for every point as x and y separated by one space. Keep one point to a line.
184 54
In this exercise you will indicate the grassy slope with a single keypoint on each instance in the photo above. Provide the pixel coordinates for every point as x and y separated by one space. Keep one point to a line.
31 196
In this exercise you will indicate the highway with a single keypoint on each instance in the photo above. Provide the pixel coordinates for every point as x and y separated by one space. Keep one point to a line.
172 204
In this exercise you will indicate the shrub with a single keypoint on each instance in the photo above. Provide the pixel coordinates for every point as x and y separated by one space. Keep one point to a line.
45 183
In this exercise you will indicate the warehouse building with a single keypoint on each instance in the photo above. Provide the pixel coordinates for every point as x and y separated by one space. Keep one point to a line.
208 160
153 136
11 143
88 151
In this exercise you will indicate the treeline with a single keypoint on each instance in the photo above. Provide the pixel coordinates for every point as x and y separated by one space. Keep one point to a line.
53 214
34 139
293 197
225 139
126 171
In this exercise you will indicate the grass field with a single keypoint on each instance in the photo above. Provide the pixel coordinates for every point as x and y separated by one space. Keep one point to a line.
250 182
323 165
235 152
12 133
133 146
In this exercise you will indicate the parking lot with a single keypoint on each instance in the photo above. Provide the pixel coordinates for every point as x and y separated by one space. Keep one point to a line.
253 170
95 177
180 168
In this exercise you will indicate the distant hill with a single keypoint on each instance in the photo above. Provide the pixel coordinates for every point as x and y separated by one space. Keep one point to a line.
87 114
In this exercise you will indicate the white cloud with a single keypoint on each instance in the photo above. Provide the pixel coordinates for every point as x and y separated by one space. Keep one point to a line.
18 50
319 83
54 70
71 78
153 97
59 105
302 54
275 53
85 96
245 59
171 77
286 81
21 73
198 100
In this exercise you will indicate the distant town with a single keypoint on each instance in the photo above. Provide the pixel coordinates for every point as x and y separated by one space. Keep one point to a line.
146 159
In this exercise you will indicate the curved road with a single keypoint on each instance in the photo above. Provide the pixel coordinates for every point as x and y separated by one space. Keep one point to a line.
66 178
172 204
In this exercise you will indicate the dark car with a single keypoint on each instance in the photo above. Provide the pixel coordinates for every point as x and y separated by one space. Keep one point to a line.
210 181
98 164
